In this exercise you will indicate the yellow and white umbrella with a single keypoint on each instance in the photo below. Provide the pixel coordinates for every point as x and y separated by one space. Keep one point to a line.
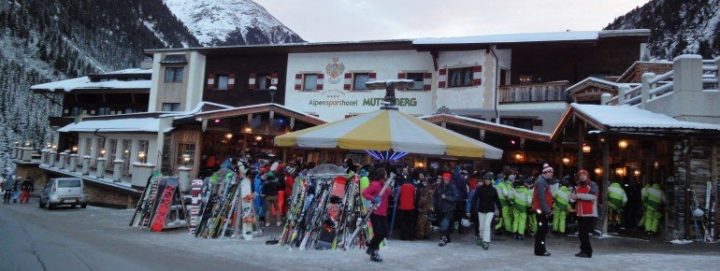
386 130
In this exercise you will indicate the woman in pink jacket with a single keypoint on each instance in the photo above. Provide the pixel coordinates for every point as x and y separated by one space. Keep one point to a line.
379 216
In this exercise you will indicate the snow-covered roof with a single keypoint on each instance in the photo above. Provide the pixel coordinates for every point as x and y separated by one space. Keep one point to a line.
114 125
256 106
197 109
531 37
131 71
626 116
488 123
600 81
85 83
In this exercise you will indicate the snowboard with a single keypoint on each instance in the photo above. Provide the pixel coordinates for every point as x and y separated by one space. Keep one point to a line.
247 209
166 195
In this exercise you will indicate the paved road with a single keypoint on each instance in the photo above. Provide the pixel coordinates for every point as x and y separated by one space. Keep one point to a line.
99 239
68 239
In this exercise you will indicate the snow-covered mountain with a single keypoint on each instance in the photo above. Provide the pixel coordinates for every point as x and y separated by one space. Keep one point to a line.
231 22
678 27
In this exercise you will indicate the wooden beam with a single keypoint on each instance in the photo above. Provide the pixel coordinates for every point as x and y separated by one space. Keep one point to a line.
605 184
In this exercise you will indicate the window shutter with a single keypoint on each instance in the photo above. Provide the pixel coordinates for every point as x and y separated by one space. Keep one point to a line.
348 81
477 74
372 76
251 80
402 75
231 81
274 79
442 78
320 81
427 81
298 81
211 80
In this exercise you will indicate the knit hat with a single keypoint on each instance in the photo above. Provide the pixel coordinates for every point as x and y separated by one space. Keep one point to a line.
583 172
489 176
547 168
446 175
512 177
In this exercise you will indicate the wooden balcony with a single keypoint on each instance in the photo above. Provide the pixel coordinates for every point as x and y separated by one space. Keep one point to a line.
534 93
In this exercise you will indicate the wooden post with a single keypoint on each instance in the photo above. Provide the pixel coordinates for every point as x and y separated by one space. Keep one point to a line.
581 141
687 211
605 184
284 155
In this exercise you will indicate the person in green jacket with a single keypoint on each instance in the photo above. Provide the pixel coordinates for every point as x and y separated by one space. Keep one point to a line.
616 202
521 204
505 193
653 198
561 206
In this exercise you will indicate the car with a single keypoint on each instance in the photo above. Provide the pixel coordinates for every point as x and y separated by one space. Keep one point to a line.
63 191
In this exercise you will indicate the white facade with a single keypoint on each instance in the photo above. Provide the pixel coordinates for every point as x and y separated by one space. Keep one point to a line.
335 102
188 92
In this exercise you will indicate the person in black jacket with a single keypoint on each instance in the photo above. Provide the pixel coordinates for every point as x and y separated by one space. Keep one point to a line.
486 201
445 199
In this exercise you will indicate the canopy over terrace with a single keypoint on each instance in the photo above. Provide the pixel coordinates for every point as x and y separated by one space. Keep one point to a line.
389 129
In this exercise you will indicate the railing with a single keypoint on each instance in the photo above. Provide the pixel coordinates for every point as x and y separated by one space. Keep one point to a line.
656 86
541 92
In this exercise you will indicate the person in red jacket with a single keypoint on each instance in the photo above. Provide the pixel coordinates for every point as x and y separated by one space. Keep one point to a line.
406 215
585 196
379 217
542 202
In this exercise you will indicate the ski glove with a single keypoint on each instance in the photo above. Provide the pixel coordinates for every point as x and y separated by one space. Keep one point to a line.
376 200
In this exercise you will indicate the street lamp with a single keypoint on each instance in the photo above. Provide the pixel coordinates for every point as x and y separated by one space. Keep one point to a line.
272 90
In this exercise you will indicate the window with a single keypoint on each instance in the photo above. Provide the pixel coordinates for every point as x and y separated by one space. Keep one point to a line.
526 124
143 150
461 77
418 79
263 81
169 107
310 82
174 74
88 146
103 111
69 183
525 78
222 82
113 149
360 80
182 149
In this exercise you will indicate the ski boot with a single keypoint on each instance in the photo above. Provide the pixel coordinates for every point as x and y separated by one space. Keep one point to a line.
485 245
444 241
370 251
478 241
375 257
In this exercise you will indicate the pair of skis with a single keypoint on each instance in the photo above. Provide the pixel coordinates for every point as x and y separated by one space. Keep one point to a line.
362 222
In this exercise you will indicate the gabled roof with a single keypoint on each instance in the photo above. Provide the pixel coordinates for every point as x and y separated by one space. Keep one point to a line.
567 36
254 109
597 82
630 119
111 82
488 126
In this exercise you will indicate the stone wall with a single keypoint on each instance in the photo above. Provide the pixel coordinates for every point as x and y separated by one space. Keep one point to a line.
104 196
32 171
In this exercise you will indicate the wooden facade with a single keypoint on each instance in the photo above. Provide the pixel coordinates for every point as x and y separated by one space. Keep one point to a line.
242 67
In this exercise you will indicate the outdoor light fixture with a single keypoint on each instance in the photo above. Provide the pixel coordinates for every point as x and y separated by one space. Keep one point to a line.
602 139
656 165
586 148
419 165
386 155
519 156
229 135
623 144
127 151
598 171
512 142
186 159
217 121
27 143
141 155
102 151
248 130
258 138
49 145
74 148
620 171
566 160
636 172
53 146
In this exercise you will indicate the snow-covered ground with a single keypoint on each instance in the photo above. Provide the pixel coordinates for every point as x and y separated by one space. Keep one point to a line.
505 254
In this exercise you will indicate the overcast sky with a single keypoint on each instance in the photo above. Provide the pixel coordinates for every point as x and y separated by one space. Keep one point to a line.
339 20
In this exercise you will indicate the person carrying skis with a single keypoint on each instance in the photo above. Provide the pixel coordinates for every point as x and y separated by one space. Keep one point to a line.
542 202
445 199
379 217
585 195
485 200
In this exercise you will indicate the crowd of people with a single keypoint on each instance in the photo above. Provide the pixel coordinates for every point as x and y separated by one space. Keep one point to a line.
450 200
16 189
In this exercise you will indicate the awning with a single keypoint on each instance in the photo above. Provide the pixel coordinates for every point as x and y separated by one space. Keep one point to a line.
385 130
148 125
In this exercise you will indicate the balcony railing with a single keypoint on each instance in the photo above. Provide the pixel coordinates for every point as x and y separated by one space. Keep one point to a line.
541 92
